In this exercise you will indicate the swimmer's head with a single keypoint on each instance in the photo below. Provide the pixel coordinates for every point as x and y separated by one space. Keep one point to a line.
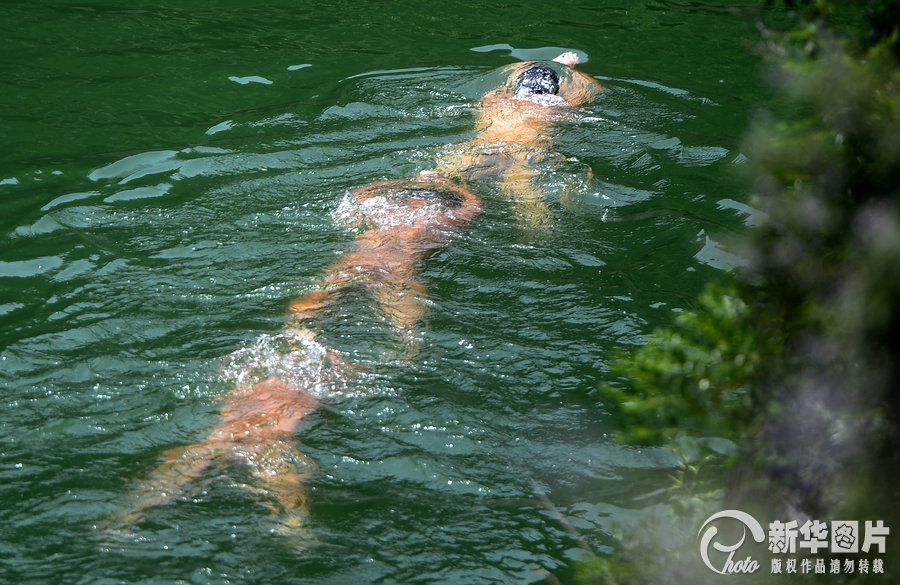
536 81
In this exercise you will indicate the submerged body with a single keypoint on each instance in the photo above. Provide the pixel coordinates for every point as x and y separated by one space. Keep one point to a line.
403 221
399 223
257 433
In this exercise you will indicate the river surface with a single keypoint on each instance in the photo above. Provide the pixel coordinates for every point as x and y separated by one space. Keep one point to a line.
167 176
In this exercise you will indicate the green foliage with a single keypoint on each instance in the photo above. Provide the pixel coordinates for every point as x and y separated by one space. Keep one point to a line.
692 378
824 267
827 181
597 570
857 24
815 348
805 375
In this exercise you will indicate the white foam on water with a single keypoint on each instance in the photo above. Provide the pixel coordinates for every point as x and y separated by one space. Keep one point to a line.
290 357
543 99
387 212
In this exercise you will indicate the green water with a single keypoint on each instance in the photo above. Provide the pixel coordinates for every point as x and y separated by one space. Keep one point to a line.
166 178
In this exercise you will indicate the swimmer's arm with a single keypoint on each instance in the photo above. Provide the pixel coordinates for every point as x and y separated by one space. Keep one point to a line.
581 88
470 208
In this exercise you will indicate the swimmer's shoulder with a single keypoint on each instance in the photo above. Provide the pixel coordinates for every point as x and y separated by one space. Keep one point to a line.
579 88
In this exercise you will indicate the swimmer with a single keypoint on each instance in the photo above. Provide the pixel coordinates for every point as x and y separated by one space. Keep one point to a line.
401 222
515 129
257 432
405 221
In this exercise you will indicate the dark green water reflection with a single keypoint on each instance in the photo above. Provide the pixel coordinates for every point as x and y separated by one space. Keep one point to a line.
166 178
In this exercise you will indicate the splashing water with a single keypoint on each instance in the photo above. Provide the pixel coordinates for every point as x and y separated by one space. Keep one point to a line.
390 211
292 358
544 99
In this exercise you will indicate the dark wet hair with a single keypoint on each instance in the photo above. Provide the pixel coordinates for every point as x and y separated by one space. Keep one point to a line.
444 196
537 80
